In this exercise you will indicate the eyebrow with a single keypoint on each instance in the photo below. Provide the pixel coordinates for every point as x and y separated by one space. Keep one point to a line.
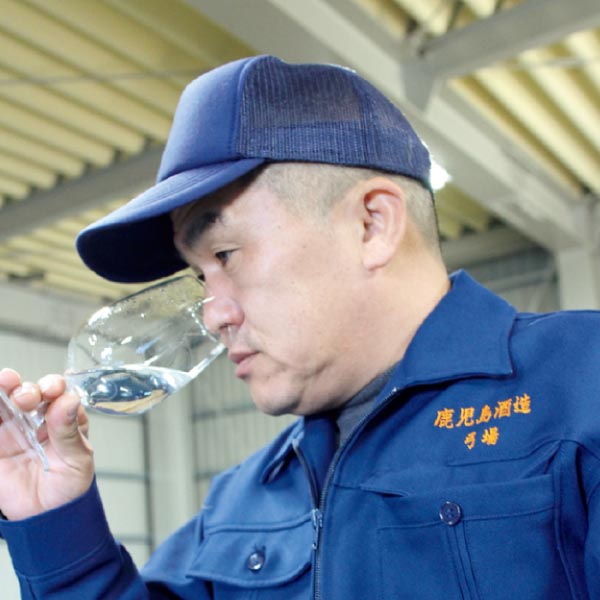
200 225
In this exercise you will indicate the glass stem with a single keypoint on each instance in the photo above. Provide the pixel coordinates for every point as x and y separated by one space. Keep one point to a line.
24 426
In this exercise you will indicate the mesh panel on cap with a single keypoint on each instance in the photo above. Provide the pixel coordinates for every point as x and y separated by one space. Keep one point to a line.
289 113
397 146
327 114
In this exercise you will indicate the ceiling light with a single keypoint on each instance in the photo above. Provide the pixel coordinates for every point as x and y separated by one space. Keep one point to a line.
439 177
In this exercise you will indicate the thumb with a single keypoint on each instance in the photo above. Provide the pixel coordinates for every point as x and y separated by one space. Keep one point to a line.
64 434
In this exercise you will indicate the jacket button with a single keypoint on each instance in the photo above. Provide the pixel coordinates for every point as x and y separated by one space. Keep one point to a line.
450 513
256 560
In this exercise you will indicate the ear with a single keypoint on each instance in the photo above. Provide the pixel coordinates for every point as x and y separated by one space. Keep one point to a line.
382 205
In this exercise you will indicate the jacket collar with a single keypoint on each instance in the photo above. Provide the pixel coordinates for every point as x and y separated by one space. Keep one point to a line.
466 334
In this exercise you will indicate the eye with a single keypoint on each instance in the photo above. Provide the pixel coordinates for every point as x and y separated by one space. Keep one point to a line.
223 256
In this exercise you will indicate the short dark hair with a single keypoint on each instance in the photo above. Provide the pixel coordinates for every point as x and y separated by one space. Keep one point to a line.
314 188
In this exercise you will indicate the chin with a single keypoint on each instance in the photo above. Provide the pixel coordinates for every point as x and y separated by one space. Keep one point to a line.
275 404
274 409
278 407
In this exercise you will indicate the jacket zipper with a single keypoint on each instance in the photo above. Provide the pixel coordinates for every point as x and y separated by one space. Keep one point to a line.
319 503
316 516
316 513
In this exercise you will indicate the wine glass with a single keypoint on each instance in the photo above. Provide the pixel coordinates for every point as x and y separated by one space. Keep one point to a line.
129 356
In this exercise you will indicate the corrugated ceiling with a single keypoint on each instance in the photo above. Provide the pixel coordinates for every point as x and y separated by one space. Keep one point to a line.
88 89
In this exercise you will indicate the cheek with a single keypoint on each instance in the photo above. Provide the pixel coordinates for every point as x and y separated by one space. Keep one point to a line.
287 326
298 297
305 333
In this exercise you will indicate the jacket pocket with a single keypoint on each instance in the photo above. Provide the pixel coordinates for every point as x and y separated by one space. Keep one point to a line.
261 562
482 541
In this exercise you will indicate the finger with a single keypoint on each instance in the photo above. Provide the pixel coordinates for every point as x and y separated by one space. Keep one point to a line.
52 386
9 379
27 396
9 444
42 433
83 421
62 422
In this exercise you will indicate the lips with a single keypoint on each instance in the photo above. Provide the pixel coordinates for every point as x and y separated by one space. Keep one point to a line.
241 360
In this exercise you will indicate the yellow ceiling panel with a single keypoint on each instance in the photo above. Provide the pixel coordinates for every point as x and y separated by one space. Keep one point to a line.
536 113
27 172
69 227
57 279
115 204
39 154
450 228
9 186
481 7
54 238
501 118
60 276
123 36
39 70
485 8
51 105
50 265
389 13
585 46
38 243
432 15
41 31
55 134
185 28
98 288
567 89
455 203
89 216
29 246
11 267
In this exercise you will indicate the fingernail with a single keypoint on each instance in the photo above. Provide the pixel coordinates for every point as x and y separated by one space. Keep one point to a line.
24 390
72 411
46 382
8 370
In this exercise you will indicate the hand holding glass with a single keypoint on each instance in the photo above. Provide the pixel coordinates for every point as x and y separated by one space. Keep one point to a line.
130 355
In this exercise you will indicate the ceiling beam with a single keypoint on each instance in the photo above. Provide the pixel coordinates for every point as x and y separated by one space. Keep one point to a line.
266 28
124 178
475 248
322 30
532 24
40 314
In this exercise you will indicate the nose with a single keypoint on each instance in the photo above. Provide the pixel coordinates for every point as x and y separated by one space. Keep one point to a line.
221 314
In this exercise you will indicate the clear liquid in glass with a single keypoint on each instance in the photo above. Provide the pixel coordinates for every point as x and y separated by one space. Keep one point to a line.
130 389
128 356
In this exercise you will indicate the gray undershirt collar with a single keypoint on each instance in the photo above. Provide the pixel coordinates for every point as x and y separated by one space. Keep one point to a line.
350 414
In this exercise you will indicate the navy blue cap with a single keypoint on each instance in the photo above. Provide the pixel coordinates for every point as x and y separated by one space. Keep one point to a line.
235 118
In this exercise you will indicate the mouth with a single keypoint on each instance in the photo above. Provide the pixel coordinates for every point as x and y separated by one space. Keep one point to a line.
241 361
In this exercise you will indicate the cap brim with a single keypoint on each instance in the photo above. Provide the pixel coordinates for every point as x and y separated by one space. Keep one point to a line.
135 242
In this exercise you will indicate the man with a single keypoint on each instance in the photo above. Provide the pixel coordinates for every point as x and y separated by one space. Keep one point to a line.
448 446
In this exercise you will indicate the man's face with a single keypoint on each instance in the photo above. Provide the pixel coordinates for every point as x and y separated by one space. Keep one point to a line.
286 299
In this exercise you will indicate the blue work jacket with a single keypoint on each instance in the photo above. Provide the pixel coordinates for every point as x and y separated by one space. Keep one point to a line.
475 475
